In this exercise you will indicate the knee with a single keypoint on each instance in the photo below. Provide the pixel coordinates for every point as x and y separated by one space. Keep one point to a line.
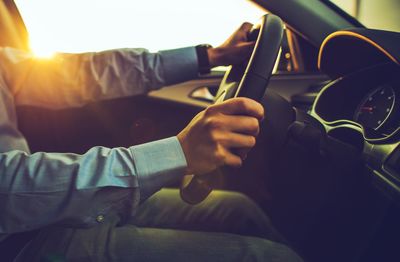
265 250
237 203
228 198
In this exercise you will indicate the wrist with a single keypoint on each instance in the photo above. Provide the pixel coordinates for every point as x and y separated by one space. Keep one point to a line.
217 56
213 54
181 139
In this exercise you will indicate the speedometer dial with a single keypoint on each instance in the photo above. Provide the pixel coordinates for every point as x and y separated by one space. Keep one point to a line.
375 108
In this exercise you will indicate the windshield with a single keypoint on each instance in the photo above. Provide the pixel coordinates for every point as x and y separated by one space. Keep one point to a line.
377 14
95 25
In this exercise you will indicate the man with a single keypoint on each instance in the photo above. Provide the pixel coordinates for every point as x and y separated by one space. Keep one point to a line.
94 207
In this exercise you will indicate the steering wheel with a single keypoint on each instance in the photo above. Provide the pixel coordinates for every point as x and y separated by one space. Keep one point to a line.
249 80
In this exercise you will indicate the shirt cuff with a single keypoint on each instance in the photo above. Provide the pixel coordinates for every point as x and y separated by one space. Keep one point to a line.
179 64
157 164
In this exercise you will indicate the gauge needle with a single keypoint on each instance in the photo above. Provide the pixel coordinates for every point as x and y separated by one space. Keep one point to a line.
367 109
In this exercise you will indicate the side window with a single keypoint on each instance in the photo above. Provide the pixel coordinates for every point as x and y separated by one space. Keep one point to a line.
298 55
382 14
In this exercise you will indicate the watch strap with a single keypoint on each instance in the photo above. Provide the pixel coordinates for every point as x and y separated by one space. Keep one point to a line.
202 58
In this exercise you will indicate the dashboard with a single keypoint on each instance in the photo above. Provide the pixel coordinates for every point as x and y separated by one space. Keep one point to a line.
367 101
362 109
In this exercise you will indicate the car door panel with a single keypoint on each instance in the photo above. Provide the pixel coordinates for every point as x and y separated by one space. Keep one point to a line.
287 85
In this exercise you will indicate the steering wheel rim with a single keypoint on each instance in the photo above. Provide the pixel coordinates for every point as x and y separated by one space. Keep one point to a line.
250 81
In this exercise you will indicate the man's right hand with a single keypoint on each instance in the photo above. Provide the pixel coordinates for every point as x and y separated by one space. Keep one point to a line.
215 134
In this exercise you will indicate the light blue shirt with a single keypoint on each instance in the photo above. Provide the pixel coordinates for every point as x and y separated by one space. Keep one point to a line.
41 189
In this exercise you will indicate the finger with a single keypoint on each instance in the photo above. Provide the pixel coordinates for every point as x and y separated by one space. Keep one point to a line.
234 140
232 160
242 153
246 27
246 45
241 124
244 50
241 33
239 106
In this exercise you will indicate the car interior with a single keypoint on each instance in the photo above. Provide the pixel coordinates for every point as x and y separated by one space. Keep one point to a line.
326 167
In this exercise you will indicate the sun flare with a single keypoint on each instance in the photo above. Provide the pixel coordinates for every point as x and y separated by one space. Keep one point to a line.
40 50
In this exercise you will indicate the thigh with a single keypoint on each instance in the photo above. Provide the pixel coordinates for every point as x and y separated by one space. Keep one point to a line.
132 243
221 211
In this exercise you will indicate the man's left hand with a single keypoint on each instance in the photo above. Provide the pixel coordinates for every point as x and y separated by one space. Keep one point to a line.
233 51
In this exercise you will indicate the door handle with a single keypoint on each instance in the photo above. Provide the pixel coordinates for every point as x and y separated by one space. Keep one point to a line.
204 93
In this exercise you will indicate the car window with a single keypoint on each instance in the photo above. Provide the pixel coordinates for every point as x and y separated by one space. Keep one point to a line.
94 25
378 14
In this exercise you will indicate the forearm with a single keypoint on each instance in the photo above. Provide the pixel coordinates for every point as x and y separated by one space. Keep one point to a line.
70 80
50 188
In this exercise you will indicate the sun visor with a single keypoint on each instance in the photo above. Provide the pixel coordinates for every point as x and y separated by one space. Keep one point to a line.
350 50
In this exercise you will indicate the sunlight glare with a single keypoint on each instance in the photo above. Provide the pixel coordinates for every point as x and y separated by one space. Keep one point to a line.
41 50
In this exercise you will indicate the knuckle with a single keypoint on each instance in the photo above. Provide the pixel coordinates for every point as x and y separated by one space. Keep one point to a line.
209 111
257 130
242 104
212 123
254 126
236 162
246 25
214 137
219 157
254 123
262 111
208 123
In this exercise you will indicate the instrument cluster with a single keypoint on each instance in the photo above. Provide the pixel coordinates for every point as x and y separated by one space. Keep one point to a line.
368 100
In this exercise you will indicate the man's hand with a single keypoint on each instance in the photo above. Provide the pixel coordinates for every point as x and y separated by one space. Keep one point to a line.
233 51
215 134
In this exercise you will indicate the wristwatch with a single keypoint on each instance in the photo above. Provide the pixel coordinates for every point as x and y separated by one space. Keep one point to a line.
202 58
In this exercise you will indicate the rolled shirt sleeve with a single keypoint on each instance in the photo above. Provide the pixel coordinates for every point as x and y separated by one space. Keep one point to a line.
174 71
73 80
82 190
